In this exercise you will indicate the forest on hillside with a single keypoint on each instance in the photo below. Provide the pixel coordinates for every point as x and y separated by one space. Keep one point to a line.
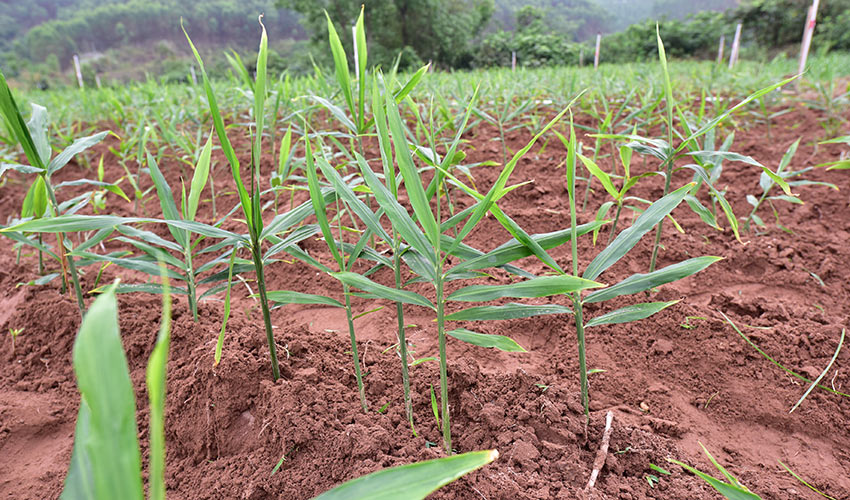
131 39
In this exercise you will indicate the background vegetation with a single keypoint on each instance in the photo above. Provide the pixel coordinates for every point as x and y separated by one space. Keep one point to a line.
124 40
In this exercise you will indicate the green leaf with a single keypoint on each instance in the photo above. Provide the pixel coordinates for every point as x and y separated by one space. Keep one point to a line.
32 242
398 216
498 188
155 378
714 156
166 201
37 127
357 206
716 121
199 179
513 250
626 240
537 287
35 203
260 102
384 292
411 84
77 147
340 65
105 461
640 282
226 146
319 205
287 297
733 491
24 169
499 342
69 224
629 313
823 373
597 172
219 345
412 181
410 482
724 204
511 310
12 115
360 63
154 288
705 214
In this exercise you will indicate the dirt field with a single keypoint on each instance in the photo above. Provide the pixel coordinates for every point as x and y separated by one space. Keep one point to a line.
677 379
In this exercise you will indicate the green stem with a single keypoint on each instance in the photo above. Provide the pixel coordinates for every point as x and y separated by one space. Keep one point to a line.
504 146
658 229
402 340
212 195
264 304
755 208
616 219
357 374
190 281
72 268
40 257
444 377
582 360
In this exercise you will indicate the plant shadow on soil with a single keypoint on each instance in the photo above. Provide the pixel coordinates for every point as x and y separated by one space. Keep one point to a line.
673 380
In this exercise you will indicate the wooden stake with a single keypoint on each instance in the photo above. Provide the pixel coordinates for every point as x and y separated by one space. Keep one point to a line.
79 71
599 462
736 45
720 49
513 60
808 31
356 59
596 56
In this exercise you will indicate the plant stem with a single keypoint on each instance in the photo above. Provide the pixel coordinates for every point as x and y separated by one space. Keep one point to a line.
755 208
658 228
504 146
357 374
582 360
444 377
402 341
40 257
61 236
190 281
212 191
614 225
264 304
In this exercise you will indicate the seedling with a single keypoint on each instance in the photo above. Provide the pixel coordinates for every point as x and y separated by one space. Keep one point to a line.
733 490
14 332
32 136
652 479
767 183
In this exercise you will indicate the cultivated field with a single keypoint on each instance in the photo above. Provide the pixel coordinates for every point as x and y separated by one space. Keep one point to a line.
367 269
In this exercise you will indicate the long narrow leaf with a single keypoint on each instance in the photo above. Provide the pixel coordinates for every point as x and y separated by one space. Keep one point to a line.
357 281
106 461
537 287
629 313
626 240
511 310
411 482
499 342
640 282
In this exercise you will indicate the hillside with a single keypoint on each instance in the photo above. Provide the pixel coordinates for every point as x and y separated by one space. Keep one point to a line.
51 31
584 18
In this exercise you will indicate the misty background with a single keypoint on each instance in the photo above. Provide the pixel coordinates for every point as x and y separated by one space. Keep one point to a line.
121 40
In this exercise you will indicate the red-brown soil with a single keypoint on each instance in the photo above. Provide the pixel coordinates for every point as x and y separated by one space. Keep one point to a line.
673 381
